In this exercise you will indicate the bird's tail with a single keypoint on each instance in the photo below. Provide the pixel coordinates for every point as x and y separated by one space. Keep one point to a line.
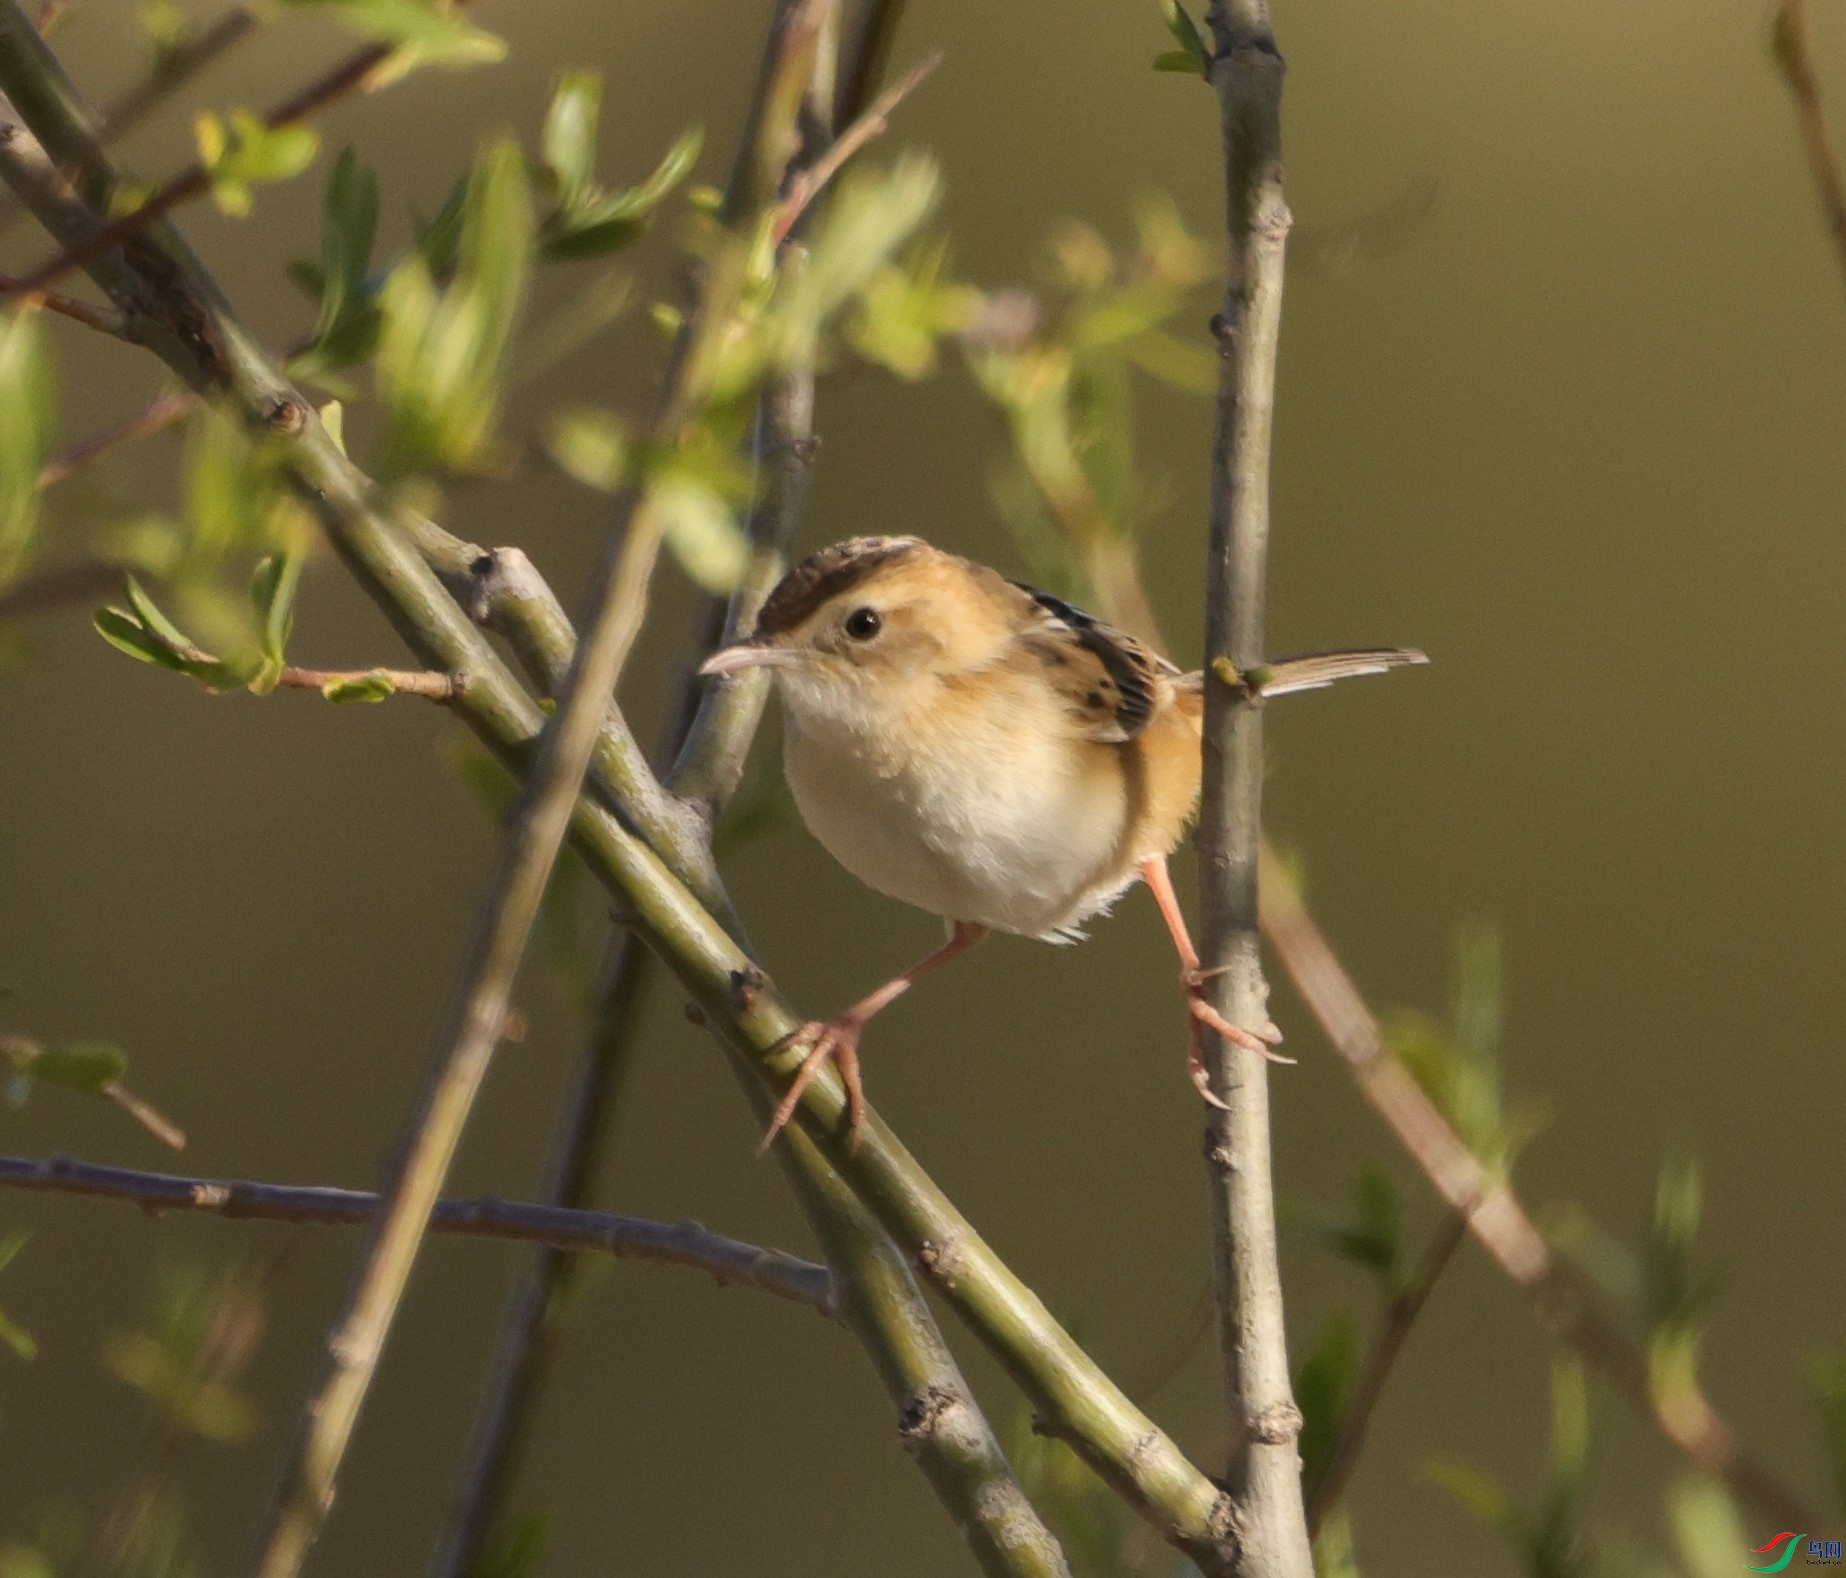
1309 671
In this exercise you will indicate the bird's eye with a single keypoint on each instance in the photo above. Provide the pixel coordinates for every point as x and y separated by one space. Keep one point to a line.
863 623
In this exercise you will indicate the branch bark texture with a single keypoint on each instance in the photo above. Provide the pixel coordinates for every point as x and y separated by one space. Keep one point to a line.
579 1232
1264 1473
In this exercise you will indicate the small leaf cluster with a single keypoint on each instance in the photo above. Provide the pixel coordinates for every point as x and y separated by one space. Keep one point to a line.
585 220
243 151
148 635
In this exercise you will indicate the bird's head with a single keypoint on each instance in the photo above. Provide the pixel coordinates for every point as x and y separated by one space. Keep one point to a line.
864 630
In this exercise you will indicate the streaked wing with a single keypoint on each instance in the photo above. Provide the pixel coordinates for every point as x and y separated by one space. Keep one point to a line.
1316 670
1110 680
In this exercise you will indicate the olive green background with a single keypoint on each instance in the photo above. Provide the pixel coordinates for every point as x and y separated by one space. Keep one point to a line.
1578 434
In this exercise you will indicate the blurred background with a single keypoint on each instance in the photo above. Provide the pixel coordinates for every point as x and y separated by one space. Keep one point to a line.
1575 429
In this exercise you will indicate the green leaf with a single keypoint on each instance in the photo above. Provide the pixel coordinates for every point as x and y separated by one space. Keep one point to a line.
1826 1375
516 1553
91 1066
1323 1391
1570 1423
1482 1496
363 688
568 143
1371 1237
872 215
591 226
154 1367
347 328
12 1334
127 634
272 592
1192 50
425 32
15 1336
246 151
590 446
442 353
1706 1529
701 531
28 422
1176 60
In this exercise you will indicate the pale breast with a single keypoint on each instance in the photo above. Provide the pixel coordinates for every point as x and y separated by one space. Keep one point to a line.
991 820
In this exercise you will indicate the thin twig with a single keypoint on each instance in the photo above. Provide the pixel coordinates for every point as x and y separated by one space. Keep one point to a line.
532 1328
729 990
1264 1474
404 682
358 73
163 412
1797 68
807 185
867 49
1565 1305
581 1232
102 319
21 1053
1393 1329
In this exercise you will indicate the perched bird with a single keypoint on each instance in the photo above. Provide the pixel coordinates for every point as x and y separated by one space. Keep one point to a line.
988 753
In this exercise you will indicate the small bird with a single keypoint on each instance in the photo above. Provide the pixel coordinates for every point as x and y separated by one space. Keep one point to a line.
985 751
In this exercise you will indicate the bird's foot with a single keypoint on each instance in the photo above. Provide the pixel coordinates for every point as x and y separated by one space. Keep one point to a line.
836 1040
1203 1014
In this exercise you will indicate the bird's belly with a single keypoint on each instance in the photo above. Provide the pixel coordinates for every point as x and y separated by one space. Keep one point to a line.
982 831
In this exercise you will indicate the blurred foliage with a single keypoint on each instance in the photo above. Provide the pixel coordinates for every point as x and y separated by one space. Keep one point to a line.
1549 1541
1087 1520
423 32
444 336
28 419
12 1334
1458 1064
201 1332
93 1067
1827 1379
243 151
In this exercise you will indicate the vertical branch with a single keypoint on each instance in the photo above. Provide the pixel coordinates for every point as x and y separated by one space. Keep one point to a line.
1264 1475
533 1325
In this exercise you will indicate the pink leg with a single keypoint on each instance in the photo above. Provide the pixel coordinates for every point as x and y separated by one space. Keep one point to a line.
838 1039
1154 873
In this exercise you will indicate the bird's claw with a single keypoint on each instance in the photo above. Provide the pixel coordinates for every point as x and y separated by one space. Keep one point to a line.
1262 1041
836 1040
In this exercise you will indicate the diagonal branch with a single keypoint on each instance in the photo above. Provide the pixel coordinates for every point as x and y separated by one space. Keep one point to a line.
582 1232
1399 1316
1795 61
1499 1223
1264 1476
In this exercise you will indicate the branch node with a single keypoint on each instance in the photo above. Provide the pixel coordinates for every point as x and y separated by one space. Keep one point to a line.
1276 1425
941 1260
286 415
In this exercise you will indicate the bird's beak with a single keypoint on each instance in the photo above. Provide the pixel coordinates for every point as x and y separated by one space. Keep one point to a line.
747 654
